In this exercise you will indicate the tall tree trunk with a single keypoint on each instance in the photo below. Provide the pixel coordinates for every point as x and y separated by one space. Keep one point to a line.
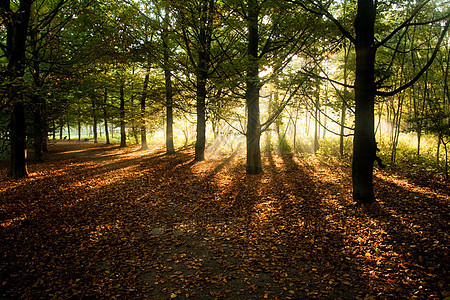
79 130
169 96
105 116
54 129
344 103
364 146
316 121
94 110
16 35
38 129
123 134
68 130
204 37
44 127
18 142
201 109
254 164
144 145
295 127
38 111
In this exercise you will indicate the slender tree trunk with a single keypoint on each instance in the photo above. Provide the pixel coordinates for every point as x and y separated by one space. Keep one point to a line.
295 127
44 127
342 132
79 130
54 129
205 34
135 133
438 160
254 163
94 110
344 103
38 129
68 130
169 96
202 75
324 127
316 121
123 134
144 145
105 116
364 146
344 95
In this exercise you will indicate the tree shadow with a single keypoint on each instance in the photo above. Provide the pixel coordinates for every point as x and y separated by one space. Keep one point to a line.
170 224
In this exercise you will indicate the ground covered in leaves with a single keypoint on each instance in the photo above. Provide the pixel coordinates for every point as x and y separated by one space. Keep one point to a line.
103 221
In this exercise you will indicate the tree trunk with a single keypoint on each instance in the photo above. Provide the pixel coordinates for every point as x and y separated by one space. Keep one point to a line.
254 164
79 130
68 130
105 117
316 121
18 142
94 110
144 145
204 37
16 35
364 146
54 129
38 129
123 134
169 96
201 116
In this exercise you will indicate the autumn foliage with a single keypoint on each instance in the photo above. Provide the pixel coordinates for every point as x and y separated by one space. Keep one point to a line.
105 221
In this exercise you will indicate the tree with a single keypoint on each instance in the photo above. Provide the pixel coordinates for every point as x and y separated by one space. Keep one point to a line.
271 42
366 85
169 93
364 145
16 23
144 145
196 20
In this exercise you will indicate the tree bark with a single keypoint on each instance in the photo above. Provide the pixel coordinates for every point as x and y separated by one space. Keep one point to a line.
123 134
169 96
144 145
316 120
17 31
18 142
204 36
68 129
254 164
201 115
105 116
344 102
94 111
38 128
364 146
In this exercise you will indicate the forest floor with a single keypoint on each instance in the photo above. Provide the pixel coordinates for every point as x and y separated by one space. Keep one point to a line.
103 221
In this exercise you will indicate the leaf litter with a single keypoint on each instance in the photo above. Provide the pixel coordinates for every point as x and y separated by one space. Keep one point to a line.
109 222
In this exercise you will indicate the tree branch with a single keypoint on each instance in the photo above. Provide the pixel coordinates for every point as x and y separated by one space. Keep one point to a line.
427 65
403 25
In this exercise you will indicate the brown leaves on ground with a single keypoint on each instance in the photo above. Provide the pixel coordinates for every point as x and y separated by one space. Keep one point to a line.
110 222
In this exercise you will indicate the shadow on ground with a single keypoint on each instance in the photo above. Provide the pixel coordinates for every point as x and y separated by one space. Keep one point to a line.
107 222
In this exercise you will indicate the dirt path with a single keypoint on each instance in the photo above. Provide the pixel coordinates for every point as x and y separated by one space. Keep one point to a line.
110 222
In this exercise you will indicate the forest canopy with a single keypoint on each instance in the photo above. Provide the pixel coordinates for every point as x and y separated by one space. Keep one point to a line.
366 80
